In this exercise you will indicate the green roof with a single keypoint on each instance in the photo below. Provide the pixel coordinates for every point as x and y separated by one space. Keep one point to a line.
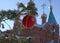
51 19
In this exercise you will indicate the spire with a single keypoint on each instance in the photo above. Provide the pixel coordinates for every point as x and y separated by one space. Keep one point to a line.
31 0
51 19
43 16
43 6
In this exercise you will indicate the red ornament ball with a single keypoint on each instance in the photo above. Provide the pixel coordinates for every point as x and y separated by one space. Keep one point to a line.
28 21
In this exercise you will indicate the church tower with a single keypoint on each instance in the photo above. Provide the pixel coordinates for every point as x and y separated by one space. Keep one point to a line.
52 20
43 16
53 24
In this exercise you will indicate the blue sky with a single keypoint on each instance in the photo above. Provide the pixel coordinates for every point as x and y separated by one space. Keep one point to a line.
12 4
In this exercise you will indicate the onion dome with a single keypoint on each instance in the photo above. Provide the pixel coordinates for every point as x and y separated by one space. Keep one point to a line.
44 15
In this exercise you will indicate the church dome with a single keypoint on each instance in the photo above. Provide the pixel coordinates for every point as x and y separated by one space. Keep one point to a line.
43 15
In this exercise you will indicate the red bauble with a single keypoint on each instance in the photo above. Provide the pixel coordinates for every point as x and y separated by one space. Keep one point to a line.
28 21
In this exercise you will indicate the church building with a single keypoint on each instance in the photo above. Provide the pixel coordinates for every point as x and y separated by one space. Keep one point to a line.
47 32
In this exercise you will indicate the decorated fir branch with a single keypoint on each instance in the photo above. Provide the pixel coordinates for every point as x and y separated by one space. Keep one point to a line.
12 14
